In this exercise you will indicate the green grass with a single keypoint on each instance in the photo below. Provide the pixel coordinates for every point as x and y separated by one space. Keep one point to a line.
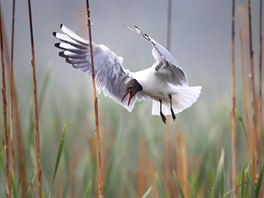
122 134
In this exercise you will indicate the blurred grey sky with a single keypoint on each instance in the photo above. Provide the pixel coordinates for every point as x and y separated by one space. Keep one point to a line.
201 36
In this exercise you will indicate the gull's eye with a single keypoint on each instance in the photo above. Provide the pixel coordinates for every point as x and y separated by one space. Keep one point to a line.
130 87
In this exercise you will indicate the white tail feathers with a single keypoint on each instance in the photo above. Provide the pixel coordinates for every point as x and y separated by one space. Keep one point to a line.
184 97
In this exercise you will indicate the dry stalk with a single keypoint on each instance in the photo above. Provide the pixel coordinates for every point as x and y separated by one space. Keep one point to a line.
36 125
245 93
184 166
169 25
98 149
178 158
11 87
167 157
6 141
17 127
141 177
233 116
167 136
253 99
260 80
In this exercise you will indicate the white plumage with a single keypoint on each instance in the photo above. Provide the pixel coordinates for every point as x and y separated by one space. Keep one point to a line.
165 82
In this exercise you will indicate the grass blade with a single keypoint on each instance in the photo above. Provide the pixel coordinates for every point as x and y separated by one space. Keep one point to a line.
88 190
259 179
58 156
30 186
145 195
219 174
13 186
160 189
251 180
241 124
178 184
242 183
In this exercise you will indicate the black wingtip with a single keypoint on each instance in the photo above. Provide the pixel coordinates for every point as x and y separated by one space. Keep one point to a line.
68 60
54 33
61 26
61 54
57 45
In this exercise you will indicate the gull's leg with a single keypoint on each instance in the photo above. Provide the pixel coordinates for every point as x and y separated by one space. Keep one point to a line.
172 112
161 114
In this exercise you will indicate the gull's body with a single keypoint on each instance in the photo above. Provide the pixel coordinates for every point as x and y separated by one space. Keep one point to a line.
165 82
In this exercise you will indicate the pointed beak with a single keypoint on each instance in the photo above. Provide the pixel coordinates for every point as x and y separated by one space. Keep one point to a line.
131 94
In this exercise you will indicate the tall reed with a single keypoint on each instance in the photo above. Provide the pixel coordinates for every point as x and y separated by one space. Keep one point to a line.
253 98
245 98
233 116
36 125
98 149
184 166
11 96
167 135
141 176
17 123
260 80
6 139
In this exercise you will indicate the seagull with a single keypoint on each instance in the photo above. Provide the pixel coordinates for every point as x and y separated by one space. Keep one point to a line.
164 82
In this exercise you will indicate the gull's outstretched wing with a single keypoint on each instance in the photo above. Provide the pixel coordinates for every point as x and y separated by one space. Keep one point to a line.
165 64
110 76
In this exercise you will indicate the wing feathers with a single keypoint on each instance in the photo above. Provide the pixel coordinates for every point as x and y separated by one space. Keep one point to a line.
67 39
165 61
110 76
73 35
67 46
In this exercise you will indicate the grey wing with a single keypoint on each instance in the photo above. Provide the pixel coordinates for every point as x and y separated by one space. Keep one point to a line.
110 76
165 64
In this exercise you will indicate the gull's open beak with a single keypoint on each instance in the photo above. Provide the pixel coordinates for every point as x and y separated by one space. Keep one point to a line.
131 94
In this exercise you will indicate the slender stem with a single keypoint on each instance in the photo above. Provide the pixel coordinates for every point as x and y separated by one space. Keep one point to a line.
233 116
17 126
11 86
167 135
169 25
6 141
253 99
245 93
184 166
98 149
260 80
36 126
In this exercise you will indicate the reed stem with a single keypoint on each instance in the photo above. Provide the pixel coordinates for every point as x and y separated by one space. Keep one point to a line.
184 166
98 149
36 125
167 135
260 80
245 94
6 139
16 126
253 99
233 116
11 87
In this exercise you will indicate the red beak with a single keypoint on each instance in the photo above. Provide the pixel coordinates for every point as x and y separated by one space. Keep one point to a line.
131 94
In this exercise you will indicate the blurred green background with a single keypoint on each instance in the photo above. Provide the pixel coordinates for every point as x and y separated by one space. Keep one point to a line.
138 150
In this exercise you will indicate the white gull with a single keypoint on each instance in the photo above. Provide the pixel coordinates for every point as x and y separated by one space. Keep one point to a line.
165 81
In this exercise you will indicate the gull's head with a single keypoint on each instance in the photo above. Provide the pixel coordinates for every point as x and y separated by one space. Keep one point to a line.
132 87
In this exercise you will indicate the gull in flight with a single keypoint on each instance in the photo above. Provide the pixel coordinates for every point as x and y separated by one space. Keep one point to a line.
164 82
